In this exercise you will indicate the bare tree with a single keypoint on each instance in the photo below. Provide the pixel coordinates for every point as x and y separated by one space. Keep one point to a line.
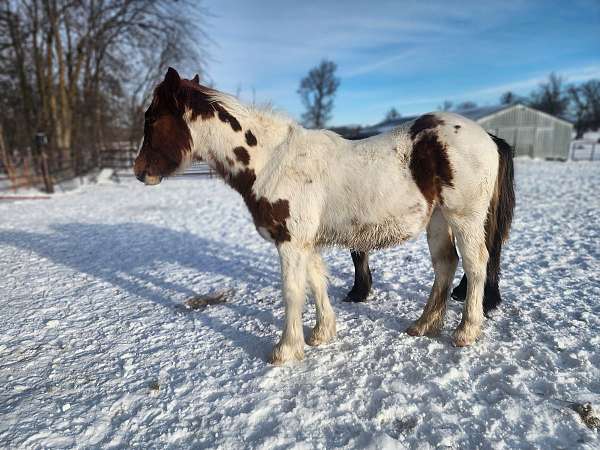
79 70
585 100
445 106
551 97
392 114
317 91
509 98
465 106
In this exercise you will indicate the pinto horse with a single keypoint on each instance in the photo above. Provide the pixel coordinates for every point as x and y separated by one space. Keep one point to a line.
308 189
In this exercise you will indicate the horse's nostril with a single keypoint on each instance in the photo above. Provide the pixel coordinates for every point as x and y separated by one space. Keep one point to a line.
141 176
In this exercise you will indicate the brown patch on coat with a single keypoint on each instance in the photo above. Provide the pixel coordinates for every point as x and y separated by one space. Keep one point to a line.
250 138
456 128
425 122
230 161
272 216
220 168
224 116
198 99
430 166
242 155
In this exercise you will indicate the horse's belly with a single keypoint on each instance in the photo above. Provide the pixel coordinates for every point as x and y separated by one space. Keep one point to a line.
366 236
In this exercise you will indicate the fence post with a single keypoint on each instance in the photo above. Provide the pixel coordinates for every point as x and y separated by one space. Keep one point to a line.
41 141
46 173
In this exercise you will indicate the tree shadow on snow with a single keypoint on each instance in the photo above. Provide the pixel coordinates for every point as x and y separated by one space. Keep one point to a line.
125 255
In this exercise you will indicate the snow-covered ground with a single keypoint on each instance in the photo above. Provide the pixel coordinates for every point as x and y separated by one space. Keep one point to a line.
96 348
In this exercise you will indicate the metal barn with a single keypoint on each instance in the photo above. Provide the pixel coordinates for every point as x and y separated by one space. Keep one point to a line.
531 132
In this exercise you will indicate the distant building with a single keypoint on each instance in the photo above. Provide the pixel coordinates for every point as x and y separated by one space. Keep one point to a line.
531 132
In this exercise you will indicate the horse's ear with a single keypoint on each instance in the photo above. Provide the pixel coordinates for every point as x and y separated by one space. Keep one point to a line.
172 79
196 79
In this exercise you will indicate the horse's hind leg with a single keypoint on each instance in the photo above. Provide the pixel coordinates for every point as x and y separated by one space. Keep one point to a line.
362 278
470 238
460 292
445 260
324 330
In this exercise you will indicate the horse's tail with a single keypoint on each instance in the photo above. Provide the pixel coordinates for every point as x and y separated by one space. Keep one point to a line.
499 219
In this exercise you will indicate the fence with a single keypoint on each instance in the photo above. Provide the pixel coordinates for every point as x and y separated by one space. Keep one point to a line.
37 171
121 160
28 171
584 150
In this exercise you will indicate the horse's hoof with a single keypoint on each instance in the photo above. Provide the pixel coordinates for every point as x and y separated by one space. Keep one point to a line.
321 335
465 336
354 297
415 330
461 342
283 353
431 327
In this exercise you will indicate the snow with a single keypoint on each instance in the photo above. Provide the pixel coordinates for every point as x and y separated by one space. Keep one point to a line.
98 349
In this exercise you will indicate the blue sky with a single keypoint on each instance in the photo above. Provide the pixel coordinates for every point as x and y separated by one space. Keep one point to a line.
411 55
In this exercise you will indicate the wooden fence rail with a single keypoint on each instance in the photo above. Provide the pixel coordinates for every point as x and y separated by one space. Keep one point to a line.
28 173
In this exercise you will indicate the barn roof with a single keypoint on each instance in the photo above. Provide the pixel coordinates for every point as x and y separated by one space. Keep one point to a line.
475 114
483 111
486 111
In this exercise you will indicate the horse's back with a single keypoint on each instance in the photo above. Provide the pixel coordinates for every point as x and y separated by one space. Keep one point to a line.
453 159
459 135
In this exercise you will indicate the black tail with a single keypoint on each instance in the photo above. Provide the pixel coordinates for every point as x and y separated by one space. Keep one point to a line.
499 219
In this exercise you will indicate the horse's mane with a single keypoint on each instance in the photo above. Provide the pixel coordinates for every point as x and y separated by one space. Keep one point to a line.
265 113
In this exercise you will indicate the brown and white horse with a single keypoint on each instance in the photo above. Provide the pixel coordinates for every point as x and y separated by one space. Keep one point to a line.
310 189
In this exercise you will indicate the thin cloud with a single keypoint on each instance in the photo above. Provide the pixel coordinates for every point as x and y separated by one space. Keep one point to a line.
376 65
570 75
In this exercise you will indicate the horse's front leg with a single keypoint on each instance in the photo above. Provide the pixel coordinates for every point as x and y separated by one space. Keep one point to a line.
324 330
293 262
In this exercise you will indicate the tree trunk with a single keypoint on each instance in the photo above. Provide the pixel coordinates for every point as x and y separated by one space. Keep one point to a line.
28 110
6 161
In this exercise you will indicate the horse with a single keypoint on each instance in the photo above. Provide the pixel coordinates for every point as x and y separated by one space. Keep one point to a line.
310 189
363 281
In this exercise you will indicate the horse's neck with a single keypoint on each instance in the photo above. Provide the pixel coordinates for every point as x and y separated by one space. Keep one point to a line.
271 132
251 148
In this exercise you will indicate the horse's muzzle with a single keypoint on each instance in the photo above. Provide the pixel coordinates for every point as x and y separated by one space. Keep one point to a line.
149 180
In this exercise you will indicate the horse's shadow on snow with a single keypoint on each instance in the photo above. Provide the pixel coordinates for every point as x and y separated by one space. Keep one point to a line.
136 257
139 258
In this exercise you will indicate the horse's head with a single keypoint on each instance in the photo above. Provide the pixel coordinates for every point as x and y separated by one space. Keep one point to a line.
167 144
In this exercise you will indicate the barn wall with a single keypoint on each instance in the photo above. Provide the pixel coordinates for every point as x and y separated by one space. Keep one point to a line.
562 141
530 132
